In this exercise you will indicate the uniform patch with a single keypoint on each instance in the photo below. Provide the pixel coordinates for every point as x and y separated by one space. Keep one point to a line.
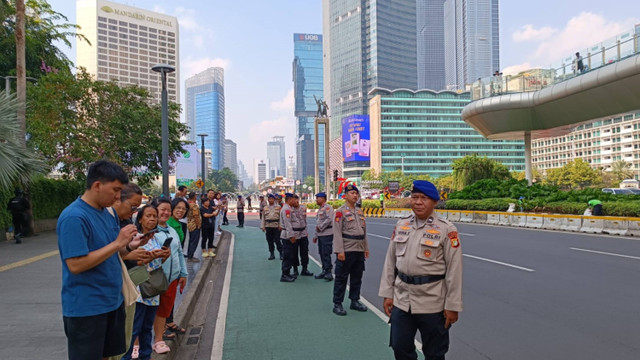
287 213
427 253
405 227
431 231
428 243
455 241
393 234
338 216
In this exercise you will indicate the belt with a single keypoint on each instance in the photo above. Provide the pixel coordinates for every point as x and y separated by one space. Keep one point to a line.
419 280
353 237
299 229
271 220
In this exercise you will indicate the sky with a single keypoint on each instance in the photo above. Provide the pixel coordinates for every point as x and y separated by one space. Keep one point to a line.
253 41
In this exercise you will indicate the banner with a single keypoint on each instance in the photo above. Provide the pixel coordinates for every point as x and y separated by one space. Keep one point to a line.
356 138
187 166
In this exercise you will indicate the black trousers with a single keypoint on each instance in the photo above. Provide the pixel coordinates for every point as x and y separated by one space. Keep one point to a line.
241 218
207 237
225 221
325 247
303 252
19 224
352 267
194 239
435 338
273 239
597 210
289 255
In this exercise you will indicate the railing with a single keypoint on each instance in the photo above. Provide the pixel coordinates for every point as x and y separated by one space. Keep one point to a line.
599 55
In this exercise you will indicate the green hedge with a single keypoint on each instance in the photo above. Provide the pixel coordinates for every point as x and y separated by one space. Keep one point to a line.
49 197
486 204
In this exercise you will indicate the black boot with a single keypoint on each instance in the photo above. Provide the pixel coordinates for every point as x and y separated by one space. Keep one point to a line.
295 272
287 278
339 310
328 276
321 275
306 272
358 306
272 256
280 255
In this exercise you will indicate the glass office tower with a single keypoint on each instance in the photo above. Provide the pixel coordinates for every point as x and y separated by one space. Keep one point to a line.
430 44
205 112
307 85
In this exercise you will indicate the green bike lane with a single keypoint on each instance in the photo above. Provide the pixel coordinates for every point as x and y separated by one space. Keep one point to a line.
267 319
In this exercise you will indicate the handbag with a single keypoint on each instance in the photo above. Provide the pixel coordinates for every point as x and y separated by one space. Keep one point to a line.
139 274
156 285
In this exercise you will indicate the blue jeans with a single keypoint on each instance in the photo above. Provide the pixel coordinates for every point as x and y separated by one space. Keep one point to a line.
325 248
142 328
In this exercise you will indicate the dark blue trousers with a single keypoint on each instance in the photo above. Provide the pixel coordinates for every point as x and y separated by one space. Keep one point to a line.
273 239
194 239
435 338
352 267
289 255
303 249
142 329
325 248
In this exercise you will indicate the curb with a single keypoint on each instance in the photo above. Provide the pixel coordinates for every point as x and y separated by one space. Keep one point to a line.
185 311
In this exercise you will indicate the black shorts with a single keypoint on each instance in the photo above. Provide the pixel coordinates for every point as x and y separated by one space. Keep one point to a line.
96 337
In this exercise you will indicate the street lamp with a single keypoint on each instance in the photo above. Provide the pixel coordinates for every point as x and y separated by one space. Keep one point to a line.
202 136
164 69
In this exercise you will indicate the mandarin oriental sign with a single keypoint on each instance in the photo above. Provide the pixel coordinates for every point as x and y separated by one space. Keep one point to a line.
136 15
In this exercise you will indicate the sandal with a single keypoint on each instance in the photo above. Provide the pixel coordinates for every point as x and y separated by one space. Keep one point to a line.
168 335
135 352
161 347
175 328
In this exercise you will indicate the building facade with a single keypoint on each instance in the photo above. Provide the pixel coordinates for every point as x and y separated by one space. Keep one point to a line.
430 44
472 41
600 143
422 132
276 159
205 111
308 87
231 156
259 171
125 42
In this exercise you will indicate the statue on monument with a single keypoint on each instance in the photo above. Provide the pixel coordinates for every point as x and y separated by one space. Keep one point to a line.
322 107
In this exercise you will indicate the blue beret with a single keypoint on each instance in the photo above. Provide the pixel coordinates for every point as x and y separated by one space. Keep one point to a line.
321 194
351 187
427 188
288 195
271 196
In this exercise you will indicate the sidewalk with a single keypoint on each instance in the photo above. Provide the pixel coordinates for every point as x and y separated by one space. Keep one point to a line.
267 319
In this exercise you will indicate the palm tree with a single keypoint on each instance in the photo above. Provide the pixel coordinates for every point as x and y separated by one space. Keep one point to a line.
17 164
621 170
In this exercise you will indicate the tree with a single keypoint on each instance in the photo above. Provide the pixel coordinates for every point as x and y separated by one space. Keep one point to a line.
472 168
621 170
74 121
575 174
17 164
225 180
521 175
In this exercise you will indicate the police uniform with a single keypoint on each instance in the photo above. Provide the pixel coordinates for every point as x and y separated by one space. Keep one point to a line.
271 225
288 222
302 237
263 203
324 233
423 276
350 238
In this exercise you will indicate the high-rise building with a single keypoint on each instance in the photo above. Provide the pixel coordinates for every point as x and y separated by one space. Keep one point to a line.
472 41
430 44
125 42
259 171
205 112
372 43
308 88
422 132
231 156
276 157
243 175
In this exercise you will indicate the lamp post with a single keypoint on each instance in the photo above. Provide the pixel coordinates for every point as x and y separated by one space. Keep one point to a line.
202 136
164 69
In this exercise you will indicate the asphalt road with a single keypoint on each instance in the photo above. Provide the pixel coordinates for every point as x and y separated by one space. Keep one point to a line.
534 294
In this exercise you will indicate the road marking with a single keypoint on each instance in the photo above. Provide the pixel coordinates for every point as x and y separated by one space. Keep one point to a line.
221 321
499 262
27 261
606 253
466 234
379 236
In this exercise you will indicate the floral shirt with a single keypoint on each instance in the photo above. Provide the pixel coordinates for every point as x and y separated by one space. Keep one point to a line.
153 244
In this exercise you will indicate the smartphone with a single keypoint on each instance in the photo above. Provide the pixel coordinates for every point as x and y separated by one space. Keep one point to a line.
150 232
167 242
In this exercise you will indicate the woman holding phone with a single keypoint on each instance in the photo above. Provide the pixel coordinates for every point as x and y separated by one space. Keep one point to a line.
175 270
208 212
145 312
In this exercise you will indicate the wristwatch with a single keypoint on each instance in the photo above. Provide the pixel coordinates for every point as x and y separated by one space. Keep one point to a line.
128 248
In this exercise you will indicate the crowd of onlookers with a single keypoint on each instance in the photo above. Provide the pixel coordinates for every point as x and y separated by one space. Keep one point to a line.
123 263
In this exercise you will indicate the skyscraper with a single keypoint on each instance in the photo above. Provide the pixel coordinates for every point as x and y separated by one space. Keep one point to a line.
205 111
231 156
372 43
125 42
259 171
276 157
307 85
430 44
472 41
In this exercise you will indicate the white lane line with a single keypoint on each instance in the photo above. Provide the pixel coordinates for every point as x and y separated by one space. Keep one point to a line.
379 236
221 321
466 234
499 263
606 253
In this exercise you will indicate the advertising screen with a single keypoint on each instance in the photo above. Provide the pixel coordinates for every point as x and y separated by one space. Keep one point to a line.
187 166
356 138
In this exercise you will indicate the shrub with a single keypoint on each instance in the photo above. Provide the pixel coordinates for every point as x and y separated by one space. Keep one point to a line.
500 204
371 204
401 203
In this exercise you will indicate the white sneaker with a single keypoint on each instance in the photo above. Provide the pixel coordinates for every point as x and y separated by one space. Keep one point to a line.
218 233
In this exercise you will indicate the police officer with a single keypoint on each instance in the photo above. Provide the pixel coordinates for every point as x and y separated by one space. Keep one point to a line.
262 204
18 206
302 237
288 220
352 247
324 235
270 224
422 278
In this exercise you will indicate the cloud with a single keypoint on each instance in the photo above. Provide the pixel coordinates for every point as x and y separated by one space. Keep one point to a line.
191 66
529 33
159 9
186 19
515 69
286 104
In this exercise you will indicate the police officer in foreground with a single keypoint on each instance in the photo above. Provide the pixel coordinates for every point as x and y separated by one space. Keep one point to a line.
422 278
302 237
288 221
271 225
352 247
324 235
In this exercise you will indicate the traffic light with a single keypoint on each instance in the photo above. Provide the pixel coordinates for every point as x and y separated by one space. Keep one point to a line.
335 175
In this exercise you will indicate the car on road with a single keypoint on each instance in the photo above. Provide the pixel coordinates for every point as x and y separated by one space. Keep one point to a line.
619 191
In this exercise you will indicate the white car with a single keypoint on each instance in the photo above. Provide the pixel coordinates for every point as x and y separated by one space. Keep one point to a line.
618 191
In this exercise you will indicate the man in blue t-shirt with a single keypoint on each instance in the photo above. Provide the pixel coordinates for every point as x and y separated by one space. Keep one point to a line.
89 238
